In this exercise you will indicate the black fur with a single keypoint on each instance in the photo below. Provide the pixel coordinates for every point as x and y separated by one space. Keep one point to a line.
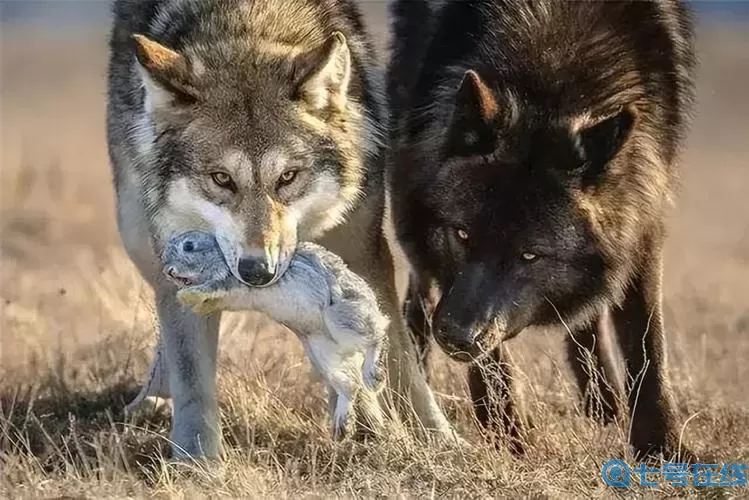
557 165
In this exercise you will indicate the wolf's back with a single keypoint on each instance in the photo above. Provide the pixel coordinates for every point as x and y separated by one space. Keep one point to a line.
531 46
412 25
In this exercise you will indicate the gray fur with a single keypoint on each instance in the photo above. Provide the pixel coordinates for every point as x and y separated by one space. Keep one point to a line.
219 92
331 309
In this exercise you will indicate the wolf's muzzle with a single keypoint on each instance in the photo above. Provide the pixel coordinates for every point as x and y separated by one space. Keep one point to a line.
257 271
456 340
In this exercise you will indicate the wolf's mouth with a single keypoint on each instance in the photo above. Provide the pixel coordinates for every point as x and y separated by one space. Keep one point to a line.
487 340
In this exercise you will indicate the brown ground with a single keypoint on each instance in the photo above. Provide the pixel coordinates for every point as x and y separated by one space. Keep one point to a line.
77 326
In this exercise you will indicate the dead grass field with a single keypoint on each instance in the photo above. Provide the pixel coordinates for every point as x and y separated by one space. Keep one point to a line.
77 328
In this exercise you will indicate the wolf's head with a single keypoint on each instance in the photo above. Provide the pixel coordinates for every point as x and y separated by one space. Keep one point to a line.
512 223
260 143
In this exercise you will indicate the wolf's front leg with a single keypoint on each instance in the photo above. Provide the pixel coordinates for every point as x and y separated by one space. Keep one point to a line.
409 392
412 393
190 343
639 327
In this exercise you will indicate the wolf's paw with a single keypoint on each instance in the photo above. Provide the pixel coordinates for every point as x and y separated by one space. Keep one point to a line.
201 300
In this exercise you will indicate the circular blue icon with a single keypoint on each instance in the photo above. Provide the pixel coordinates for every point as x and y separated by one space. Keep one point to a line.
615 473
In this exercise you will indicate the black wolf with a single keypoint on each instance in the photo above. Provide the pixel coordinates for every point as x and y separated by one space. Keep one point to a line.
535 148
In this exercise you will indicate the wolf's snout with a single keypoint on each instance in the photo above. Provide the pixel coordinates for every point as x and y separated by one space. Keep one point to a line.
256 271
456 339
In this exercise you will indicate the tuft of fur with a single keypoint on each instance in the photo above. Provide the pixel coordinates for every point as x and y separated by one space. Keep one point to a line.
535 151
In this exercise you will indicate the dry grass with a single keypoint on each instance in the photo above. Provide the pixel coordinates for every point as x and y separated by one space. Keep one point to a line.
77 329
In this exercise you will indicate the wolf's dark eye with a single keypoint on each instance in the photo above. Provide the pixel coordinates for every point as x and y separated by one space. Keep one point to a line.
222 179
287 178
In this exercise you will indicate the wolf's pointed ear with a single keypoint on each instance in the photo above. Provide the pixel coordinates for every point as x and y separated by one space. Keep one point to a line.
166 73
473 129
600 143
323 74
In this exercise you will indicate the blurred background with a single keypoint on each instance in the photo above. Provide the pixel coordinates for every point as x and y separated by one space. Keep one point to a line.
75 317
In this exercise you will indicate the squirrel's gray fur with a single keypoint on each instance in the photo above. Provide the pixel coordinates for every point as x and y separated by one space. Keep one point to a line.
330 308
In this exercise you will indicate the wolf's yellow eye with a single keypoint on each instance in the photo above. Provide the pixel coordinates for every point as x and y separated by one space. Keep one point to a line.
527 256
223 180
287 178
462 234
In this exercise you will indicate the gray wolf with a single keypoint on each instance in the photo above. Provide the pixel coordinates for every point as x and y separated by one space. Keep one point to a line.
535 153
332 310
260 122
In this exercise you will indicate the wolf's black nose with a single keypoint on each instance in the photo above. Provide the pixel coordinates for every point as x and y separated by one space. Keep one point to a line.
255 271
455 338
